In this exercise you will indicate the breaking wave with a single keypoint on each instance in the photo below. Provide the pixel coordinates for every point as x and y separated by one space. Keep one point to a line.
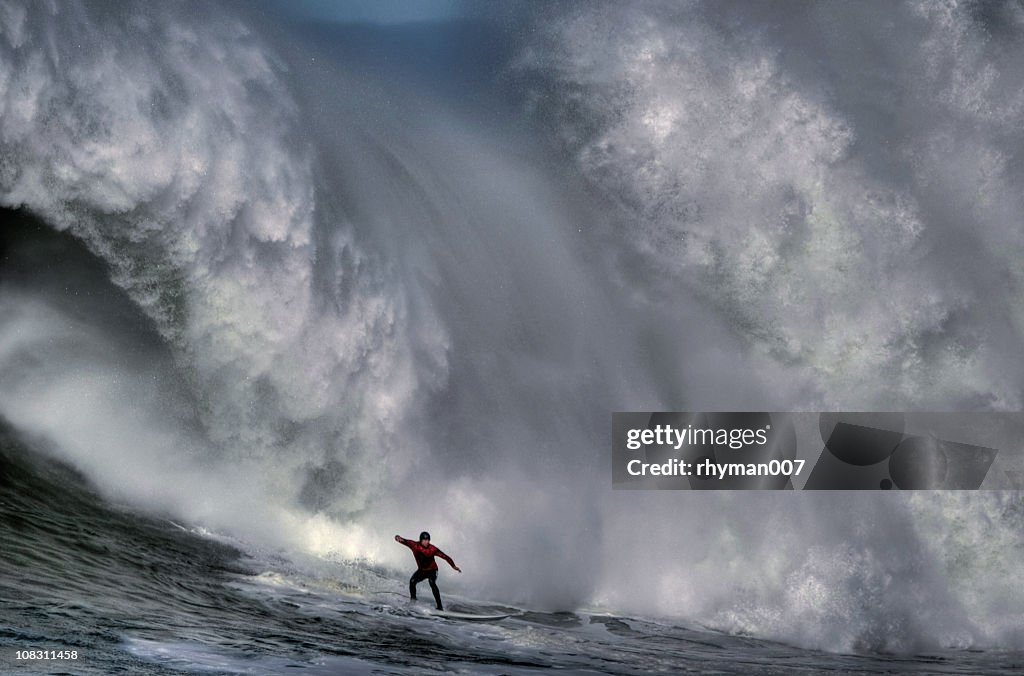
347 308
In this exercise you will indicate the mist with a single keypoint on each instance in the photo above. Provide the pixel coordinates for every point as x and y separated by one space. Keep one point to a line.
382 297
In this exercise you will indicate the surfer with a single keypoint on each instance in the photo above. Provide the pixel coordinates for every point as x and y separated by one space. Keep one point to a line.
427 567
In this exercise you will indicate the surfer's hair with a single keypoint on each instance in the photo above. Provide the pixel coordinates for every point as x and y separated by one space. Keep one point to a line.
424 535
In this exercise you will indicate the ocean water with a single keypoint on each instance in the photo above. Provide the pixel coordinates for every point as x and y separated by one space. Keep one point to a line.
279 280
143 595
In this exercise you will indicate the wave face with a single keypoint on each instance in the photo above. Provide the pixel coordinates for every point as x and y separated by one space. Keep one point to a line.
345 307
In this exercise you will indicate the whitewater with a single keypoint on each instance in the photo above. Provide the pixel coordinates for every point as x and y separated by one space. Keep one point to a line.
276 286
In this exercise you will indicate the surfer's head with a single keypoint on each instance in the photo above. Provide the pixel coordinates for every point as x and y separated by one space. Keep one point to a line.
424 538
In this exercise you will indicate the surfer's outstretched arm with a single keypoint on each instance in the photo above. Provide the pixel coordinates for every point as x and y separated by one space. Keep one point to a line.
402 540
448 559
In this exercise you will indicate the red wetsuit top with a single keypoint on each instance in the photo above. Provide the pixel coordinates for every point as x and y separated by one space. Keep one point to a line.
425 555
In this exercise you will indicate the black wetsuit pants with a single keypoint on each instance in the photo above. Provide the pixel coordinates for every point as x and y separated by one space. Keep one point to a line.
420 576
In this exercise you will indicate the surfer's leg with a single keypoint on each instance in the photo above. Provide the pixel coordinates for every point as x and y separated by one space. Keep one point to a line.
413 581
432 578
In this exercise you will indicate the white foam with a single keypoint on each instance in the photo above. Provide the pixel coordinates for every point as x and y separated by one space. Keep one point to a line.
759 176
186 170
199 658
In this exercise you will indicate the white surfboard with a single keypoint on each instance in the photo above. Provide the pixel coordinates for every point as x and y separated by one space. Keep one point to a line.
472 617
